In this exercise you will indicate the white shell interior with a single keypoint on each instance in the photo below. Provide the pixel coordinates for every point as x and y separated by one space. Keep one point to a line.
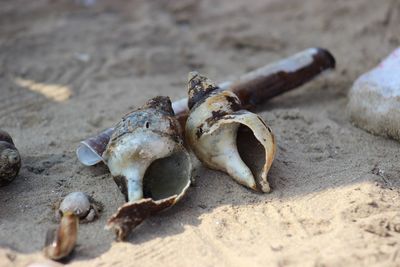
86 155
222 148
132 155
217 146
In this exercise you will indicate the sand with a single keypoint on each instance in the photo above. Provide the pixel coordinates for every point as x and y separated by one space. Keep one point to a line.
335 198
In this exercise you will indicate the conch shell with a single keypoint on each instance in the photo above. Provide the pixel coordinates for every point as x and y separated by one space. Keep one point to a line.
252 88
149 163
212 131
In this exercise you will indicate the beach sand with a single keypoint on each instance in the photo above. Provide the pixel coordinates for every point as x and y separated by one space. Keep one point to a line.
69 69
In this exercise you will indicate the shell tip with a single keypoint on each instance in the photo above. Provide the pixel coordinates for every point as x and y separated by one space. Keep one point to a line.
192 75
162 103
199 86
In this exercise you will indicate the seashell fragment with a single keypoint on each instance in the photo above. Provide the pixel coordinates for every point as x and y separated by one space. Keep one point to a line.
10 160
252 88
149 163
212 131
60 242
374 98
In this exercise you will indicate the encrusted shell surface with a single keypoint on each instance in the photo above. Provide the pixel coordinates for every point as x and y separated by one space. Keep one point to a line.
149 163
10 160
215 124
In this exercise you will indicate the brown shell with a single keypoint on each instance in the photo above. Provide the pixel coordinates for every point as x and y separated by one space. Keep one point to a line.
10 160
61 241
131 215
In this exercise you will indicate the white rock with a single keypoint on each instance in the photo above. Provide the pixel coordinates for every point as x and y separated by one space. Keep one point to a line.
374 99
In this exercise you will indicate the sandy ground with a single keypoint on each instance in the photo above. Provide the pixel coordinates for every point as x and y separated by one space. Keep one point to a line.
68 70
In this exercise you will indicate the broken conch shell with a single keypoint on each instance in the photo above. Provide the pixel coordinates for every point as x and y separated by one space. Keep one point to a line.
212 130
149 163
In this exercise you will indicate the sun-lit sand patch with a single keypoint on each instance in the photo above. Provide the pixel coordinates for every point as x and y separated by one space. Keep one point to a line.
55 92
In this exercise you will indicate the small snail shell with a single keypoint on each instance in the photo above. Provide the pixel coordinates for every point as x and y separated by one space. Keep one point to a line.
212 131
10 160
76 202
81 205
60 242
149 163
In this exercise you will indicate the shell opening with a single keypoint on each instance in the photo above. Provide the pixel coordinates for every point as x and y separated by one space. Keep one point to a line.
165 182
252 152
167 176
87 155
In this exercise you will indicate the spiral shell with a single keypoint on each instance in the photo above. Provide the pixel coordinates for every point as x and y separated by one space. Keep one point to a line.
212 131
149 163
10 160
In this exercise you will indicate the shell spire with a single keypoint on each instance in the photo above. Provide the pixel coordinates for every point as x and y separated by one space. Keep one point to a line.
160 103
199 87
